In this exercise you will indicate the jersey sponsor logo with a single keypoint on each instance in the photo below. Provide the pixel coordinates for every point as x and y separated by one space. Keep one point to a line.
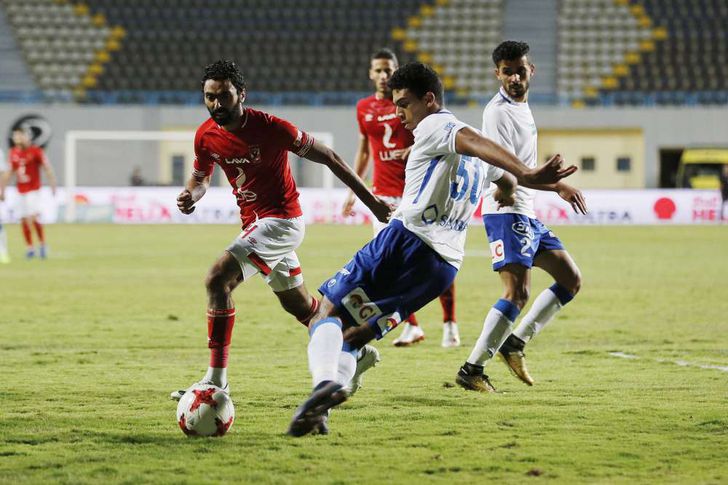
368 117
523 229
388 322
452 224
252 159
431 216
389 155
216 156
359 306
388 117
497 251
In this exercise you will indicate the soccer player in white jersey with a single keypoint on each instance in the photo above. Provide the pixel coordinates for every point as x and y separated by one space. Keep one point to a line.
518 240
417 255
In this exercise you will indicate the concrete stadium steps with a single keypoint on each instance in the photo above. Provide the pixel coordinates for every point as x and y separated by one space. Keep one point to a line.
14 74
65 45
535 22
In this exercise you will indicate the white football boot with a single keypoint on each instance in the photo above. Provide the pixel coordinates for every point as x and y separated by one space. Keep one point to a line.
411 334
450 335
368 358
177 395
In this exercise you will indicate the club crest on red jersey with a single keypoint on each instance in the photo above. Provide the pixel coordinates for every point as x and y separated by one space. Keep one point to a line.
255 154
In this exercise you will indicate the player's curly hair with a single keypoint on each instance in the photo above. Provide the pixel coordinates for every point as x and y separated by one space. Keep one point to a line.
419 78
510 50
223 70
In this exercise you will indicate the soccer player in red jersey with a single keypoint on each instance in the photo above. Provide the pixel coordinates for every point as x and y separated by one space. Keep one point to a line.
383 139
251 147
26 162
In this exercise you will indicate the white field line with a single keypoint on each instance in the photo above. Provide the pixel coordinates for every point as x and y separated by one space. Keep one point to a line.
681 363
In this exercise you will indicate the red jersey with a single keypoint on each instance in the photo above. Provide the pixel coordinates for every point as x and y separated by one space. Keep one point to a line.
26 163
254 158
388 140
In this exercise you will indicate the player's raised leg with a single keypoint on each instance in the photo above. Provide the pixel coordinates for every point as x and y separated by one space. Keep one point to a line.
560 265
450 332
286 281
497 327
331 363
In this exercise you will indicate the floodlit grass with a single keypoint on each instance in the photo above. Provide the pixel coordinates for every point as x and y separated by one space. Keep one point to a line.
94 339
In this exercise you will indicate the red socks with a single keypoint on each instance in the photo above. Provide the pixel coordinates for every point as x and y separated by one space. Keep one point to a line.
447 299
26 232
219 333
412 320
39 230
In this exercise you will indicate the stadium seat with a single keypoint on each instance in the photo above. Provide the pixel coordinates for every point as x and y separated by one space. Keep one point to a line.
644 51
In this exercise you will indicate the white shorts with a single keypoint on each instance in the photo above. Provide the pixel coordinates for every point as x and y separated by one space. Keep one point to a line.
29 204
268 246
394 202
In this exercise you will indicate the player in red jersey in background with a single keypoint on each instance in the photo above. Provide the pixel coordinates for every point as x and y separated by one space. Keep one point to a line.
26 162
251 147
383 139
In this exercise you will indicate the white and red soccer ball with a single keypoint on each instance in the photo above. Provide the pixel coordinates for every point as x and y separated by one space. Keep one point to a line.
205 410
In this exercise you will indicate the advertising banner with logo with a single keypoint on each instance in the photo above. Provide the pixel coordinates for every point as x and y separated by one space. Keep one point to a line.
157 205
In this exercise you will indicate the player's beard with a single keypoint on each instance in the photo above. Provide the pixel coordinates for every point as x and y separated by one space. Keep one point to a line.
224 116
517 91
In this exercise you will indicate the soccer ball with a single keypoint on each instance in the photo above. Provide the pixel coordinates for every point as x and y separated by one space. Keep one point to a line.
205 410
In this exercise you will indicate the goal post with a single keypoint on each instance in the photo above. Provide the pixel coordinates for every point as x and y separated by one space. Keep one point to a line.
71 149
322 177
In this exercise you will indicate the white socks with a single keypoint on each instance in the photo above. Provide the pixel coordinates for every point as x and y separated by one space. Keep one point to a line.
217 375
544 307
324 350
548 303
347 366
496 329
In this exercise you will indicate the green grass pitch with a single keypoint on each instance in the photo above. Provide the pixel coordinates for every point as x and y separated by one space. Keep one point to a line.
93 340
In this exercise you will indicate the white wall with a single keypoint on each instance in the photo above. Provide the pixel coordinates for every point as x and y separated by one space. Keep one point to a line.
663 127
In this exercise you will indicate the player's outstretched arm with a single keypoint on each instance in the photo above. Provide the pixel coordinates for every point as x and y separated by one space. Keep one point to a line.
472 143
361 165
324 155
570 194
195 188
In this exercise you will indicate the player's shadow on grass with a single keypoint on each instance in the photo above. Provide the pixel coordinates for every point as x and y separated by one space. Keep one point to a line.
137 438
